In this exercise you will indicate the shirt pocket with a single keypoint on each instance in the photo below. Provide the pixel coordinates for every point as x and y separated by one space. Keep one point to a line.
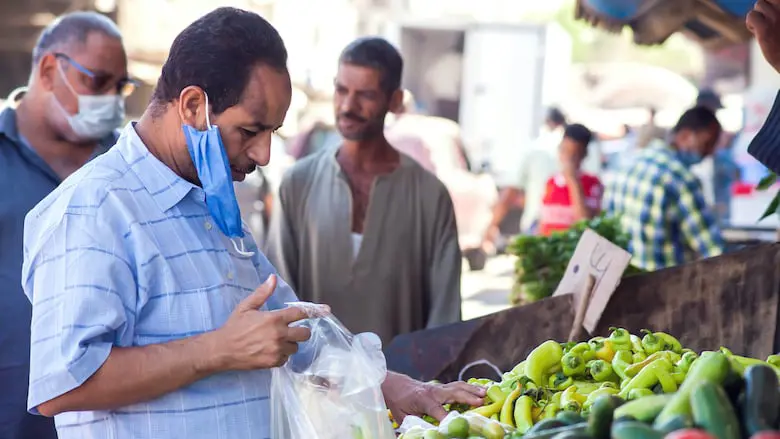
179 314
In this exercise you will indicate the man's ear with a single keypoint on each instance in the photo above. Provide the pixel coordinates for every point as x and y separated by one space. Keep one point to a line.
46 71
397 101
192 106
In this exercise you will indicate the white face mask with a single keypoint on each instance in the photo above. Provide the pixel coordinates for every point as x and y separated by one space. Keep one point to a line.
98 115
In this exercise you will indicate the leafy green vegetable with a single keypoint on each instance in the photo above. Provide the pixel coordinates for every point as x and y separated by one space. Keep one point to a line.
542 260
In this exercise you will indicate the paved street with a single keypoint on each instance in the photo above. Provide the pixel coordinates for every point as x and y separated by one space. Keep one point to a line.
487 291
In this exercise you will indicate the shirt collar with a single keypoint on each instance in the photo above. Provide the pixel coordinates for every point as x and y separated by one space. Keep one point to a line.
8 124
166 187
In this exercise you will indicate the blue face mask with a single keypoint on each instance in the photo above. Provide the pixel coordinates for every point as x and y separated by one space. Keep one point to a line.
690 158
211 162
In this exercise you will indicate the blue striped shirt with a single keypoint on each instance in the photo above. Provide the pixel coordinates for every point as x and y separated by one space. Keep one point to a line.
125 253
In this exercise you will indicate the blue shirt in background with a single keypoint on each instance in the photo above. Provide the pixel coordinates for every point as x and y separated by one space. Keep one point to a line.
25 179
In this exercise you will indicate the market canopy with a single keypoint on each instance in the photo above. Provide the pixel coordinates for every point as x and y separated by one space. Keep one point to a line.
711 22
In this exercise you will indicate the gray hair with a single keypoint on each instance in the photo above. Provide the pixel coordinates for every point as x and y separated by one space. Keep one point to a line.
70 28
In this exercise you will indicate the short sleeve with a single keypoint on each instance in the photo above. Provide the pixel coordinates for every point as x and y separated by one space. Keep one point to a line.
82 289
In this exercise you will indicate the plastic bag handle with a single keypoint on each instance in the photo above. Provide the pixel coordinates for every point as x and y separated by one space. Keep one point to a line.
477 363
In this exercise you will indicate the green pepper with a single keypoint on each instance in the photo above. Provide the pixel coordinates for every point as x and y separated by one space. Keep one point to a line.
774 360
550 410
670 343
638 357
568 346
571 394
559 381
679 377
647 377
600 370
620 338
596 343
573 364
600 392
639 393
635 368
740 363
651 343
585 387
495 393
621 362
585 350
636 345
666 380
543 360
483 382
684 364
519 369
523 414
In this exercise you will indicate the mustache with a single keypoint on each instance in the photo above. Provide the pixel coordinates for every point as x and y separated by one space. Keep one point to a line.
352 116
245 169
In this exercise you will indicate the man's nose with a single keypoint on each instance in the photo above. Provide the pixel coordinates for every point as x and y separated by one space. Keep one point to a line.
260 152
347 104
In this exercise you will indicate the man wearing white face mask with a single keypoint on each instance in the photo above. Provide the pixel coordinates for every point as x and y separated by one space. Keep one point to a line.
68 114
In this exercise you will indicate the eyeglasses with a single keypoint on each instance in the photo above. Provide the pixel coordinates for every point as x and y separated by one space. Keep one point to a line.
98 81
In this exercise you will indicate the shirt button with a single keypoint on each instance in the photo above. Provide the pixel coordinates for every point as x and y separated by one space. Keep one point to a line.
230 275
208 225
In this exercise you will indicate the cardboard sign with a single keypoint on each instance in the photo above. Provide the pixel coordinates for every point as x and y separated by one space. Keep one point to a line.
605 262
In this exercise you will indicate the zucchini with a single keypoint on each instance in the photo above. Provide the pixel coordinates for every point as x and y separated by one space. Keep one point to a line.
569 417
634 430
710 366
551 433
572 435
546 424
761 407
644 409
713 411
680 422
601 414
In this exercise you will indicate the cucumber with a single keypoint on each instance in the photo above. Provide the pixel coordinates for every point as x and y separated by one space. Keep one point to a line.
761 407
644 409
547 424
601 414
634 430
680 422
713 411
551 433
572 435
710 366
569 417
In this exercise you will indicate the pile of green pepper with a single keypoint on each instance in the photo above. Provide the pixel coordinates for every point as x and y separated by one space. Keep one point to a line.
542 260
651 377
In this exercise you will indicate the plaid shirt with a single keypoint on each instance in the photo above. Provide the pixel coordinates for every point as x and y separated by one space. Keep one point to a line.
124 253
661 205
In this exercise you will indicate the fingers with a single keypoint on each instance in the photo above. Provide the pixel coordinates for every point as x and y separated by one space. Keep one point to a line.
298 334
761 19
258 297
436 411
459 392
290 314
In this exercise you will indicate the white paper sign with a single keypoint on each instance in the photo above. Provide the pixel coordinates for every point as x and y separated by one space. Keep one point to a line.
603 260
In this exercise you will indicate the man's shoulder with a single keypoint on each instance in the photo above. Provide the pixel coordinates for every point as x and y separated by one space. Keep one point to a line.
85 191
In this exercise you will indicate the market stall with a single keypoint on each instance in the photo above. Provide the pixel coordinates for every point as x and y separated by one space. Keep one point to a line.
731 300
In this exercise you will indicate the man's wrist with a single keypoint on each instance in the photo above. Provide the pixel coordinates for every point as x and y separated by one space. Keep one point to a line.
211 358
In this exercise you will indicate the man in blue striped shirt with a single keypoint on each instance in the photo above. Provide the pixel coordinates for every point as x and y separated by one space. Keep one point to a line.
148 321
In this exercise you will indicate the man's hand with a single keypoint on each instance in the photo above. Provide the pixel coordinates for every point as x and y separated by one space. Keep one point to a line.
405 396
254 339
763 22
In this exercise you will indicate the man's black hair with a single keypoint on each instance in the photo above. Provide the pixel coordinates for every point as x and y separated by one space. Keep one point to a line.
376 53
72 28
217 53
579 133
696 119
556 116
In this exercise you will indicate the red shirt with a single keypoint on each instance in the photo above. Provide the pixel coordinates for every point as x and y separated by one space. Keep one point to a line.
557 211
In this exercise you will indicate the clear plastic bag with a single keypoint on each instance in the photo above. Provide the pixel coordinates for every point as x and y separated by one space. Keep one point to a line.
331 388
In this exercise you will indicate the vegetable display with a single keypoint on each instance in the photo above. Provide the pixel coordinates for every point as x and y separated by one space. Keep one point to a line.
623 386
542 260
